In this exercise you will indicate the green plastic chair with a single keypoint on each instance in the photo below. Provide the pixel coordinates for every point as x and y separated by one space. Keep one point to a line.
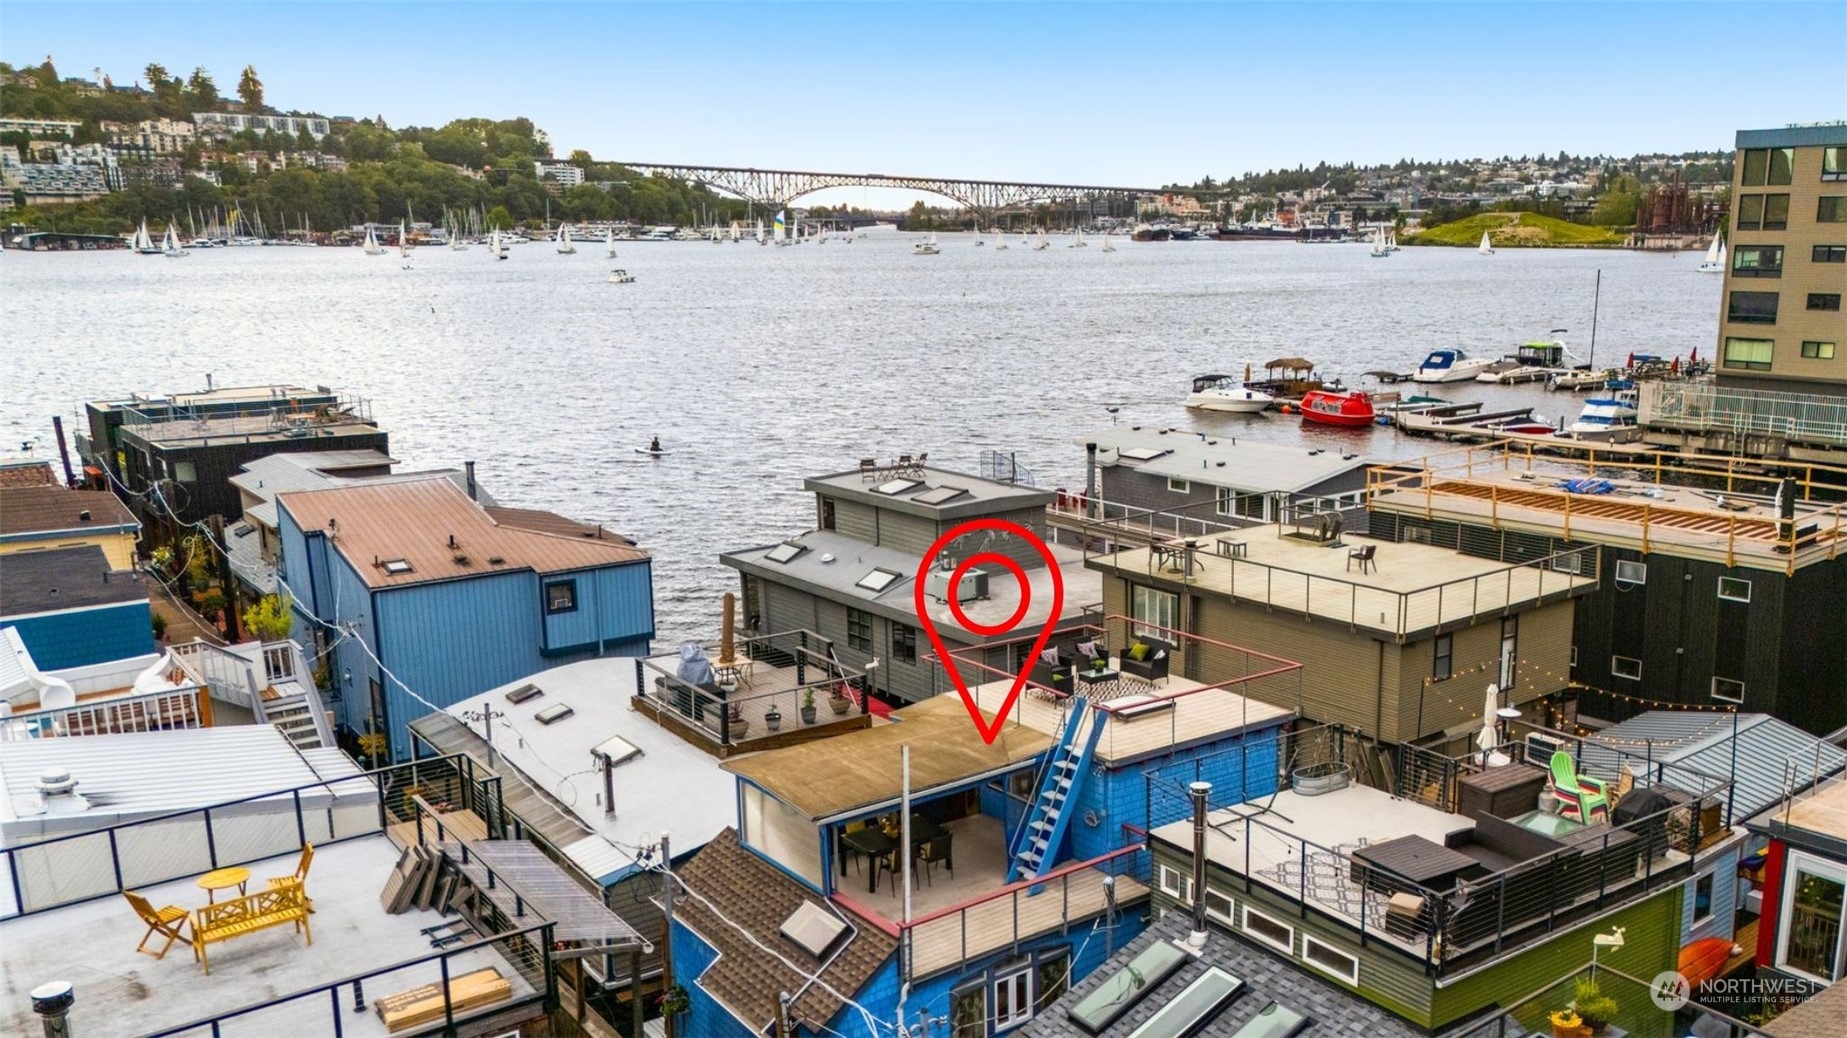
1577 794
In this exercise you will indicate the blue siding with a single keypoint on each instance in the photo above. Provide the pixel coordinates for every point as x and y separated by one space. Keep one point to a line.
614 604
692 957
85 636
1724 871
1090 947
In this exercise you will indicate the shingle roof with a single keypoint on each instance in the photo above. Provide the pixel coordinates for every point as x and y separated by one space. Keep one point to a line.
1819 1017
415 520
63 578
27 474
1267 978
758 897
45 509
1701 741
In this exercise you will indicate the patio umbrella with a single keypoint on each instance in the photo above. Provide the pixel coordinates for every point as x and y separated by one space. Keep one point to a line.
1488 738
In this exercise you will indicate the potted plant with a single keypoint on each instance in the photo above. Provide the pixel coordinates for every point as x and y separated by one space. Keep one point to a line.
740 725
674 1001
837 699
1595 1009
808 706
1567 1024
773 719
160 628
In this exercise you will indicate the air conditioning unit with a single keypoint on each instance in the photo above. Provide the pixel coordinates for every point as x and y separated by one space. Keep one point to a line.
974 585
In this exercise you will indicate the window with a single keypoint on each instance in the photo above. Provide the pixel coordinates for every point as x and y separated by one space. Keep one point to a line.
1702 899
1189 1011
1630 572
1752 308
1763 212
1510 643
1569 562
1727 690
1626 667
1013 998
1156 612
1330 960
1051 977
1829 254
1749 354
1834 163
396 567
859 630
1273 932
1735 589
1177 884
878 580
1817 350
894 487
1810 937
939 496
784 552
1444 662
1772 167
904 643
1273 1021
1118 992
187 472
561 596
1758 261
1179 486
968 1012
554 713
1828 209
1218 905
1824 300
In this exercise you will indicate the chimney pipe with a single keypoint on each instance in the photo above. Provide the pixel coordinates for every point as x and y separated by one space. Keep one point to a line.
727 650
469 467
64 451
1090 479
208 382
52 1002
1199 791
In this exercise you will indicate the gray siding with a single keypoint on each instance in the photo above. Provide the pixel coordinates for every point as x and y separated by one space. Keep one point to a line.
906 533
913 680
786 609
857 520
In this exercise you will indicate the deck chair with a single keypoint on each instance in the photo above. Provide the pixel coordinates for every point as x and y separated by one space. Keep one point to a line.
300 875
170 921
1579 796
938 849
1365 555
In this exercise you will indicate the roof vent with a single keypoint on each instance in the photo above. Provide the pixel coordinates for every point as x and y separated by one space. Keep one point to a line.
495 560
553 714
813 929
58 790
525 692
83 516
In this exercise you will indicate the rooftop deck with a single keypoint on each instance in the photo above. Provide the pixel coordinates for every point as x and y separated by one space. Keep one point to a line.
1199 712
772 674
1408 587
118 990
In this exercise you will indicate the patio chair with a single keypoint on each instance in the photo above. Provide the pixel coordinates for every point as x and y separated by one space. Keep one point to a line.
170 920
938 849
300 875
1579 796
1363 556
868 469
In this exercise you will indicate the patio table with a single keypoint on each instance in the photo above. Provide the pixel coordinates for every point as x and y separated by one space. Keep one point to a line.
223 879
875 845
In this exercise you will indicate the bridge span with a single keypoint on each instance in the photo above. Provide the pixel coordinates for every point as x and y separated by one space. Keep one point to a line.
774 188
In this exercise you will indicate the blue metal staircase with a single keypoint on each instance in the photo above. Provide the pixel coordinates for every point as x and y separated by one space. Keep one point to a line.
1036 845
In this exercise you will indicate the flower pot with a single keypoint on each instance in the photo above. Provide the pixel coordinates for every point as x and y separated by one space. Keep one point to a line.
840 704
808 713
773 720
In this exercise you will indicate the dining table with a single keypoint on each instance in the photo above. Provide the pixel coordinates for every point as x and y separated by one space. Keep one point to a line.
877 846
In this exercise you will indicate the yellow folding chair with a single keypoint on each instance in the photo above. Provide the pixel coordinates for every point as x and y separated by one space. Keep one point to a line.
170 920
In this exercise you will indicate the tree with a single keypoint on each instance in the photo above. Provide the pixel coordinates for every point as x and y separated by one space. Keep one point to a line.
204 89
499 217
580 158
47 74
156 74
250 89
268 618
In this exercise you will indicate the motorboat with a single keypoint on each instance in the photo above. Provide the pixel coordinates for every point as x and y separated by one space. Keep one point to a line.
1351 409
1604 416
1579 379
621 277
1450 366
927 247
1226 393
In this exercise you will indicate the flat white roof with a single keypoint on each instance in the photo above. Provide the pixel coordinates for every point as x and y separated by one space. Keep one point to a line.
667 787
150 773
1220 459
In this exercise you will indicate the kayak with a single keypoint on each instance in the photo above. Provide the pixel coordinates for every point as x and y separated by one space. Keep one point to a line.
654 454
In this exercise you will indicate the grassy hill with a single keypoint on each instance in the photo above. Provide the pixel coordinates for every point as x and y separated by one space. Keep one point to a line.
1518 230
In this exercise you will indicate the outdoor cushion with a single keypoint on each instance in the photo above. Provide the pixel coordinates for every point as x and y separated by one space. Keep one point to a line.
1139 651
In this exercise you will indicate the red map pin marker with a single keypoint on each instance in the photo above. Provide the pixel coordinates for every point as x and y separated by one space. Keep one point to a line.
989 731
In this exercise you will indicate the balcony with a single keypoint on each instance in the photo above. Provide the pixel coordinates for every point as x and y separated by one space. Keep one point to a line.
756 701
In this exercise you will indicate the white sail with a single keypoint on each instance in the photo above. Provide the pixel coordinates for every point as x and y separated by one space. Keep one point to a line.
1107 247
1485 248
171 246
609 242
372 247
403 242
564 240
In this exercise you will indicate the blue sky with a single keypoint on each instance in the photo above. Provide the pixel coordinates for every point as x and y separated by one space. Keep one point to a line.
1113 94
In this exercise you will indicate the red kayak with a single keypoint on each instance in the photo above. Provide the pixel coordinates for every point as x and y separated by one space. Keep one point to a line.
1349 409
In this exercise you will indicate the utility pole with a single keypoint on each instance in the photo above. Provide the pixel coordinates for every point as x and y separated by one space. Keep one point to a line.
667 893
216 524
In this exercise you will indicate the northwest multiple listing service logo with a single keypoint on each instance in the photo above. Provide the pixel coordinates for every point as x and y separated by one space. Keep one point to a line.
1669 991
994 528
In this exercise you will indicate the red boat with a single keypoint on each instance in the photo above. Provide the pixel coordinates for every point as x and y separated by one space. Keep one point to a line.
1350 409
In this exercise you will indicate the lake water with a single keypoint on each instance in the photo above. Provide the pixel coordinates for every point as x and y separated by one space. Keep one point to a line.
759 366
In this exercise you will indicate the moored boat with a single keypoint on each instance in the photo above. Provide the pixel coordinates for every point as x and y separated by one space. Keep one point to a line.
1351 409
1605 416
1448 365
1226 393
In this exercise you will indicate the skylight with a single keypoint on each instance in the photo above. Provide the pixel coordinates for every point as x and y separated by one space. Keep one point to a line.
525 692
813 929
784 552
939 496
1141 453
614 749
878 580
1127 986
896 486
553 714
396 566
1193 1007
1273 1021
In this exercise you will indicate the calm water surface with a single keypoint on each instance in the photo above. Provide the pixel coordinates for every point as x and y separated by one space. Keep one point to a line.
758 366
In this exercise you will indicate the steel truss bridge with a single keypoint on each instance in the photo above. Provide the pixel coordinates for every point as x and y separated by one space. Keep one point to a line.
774 188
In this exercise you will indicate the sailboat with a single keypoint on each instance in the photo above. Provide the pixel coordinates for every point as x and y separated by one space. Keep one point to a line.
978 241
927 247
1714 262
565 248
144 242
1107 247
171 246
456 244
1485 248
1000 241
782 228
1078 242
496 246
403 246
763 237
1040 244
849 234
1391 240
1379 251
609 242
372 246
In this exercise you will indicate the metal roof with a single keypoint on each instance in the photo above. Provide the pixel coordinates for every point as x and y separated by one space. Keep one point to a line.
432 525
63 578
319 470
46 510
1222 460
1701 740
